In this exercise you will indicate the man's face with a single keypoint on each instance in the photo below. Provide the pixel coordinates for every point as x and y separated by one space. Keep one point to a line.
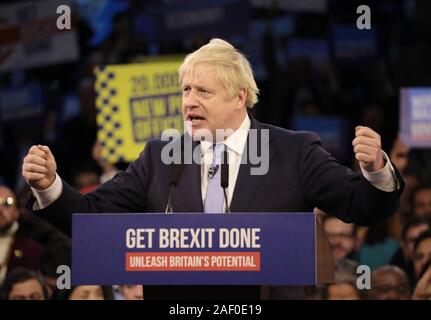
8 213
27 290
207 104
343 291
87 293
132 292
411 235
340 236
422 202
389 285
422 255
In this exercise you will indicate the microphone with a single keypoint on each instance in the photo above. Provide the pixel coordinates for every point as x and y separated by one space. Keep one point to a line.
224 177
176 171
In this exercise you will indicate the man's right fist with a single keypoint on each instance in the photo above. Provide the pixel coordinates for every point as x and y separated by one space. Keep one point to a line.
39 167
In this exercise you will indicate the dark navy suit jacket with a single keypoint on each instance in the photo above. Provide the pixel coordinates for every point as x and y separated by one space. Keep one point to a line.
301 176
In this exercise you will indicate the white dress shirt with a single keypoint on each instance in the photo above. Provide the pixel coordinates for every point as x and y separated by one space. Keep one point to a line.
235 144
384 179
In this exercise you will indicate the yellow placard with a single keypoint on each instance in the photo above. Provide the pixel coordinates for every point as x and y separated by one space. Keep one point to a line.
136 102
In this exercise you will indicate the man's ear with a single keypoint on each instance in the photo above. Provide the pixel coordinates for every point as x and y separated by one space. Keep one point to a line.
241 98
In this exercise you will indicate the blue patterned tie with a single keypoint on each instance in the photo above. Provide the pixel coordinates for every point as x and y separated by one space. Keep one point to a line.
214 197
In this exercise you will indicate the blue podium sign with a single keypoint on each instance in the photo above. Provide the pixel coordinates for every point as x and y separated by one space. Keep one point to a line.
194 249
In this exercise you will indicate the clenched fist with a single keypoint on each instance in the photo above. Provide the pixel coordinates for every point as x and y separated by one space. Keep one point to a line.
368 149
39 167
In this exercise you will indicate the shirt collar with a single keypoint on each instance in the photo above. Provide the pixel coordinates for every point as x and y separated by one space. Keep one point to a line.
236 141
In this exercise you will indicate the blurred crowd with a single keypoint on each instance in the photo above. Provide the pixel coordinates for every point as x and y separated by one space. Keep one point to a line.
398 251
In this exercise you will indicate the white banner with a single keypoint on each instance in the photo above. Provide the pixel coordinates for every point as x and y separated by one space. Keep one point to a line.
29 36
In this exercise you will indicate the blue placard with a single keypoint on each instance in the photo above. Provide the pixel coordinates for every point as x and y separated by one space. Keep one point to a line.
21 102
331 129
415 117
179 19
194 249
351 45
316 50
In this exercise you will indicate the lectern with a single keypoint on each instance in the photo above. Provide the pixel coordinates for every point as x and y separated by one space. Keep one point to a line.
199 249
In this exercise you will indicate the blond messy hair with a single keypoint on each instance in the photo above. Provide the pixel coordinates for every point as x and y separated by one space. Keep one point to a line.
233 69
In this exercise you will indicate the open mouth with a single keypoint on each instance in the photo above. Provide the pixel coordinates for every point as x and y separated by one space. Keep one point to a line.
195 119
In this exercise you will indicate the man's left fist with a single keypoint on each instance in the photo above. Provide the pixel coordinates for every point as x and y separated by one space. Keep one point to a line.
368 149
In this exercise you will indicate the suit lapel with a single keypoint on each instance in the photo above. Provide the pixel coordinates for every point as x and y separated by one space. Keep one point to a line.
187 195
247 184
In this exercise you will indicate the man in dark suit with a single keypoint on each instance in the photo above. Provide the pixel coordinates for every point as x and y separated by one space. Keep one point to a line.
295 173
